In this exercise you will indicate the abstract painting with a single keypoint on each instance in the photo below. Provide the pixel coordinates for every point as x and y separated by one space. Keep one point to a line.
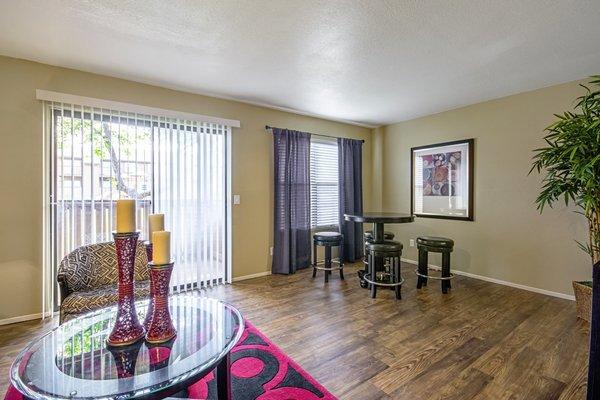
442 180
440 174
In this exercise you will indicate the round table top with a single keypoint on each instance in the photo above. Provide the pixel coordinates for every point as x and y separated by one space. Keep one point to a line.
73 361
381 217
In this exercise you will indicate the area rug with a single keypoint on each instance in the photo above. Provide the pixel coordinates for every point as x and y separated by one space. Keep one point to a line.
259 371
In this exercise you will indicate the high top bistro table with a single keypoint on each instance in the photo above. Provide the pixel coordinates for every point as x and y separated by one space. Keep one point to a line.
379 219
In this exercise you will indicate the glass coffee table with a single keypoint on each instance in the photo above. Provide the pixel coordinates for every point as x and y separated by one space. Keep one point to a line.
74 362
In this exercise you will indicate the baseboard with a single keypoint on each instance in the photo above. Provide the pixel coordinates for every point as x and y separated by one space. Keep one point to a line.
245 277
501 282
20 318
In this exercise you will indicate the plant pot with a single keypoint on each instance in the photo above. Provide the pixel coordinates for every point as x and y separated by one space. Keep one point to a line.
583 300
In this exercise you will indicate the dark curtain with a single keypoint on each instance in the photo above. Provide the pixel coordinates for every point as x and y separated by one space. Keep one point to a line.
594 366
292 201
350 196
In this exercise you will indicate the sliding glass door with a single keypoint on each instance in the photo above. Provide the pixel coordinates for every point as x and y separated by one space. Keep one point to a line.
171 166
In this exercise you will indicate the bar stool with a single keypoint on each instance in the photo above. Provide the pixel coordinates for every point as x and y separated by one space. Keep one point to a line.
387 235
368 237
328 240
426 244
390 251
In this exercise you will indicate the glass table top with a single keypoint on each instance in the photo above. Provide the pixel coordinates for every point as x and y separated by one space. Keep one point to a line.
73 360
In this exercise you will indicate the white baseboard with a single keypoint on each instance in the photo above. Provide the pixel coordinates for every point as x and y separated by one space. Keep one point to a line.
20 318
501 282
257 275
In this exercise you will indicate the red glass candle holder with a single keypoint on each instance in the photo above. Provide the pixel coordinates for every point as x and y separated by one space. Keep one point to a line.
161 326
125 359
159 355
127 328
150 310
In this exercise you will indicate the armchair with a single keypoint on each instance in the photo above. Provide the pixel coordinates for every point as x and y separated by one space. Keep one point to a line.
88 277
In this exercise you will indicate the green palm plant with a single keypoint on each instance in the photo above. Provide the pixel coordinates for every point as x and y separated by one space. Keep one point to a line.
571 163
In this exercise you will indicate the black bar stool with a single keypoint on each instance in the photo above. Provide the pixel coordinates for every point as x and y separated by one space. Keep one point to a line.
426 244
392 251
368 237
328 240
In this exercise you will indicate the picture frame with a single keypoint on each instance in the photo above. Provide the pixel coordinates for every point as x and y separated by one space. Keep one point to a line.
441 180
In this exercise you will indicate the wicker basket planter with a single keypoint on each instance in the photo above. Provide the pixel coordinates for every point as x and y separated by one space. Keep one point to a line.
583 300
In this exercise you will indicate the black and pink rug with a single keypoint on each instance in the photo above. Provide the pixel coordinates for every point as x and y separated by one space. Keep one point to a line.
259 371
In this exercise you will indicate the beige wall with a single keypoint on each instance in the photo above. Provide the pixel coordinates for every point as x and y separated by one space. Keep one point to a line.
21 167
378 171
509 240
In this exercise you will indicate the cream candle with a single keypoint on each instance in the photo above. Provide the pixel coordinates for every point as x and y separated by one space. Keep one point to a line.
161 247
156 222
126 216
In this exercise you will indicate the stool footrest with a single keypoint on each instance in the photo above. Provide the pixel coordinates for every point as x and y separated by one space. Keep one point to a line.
367 277
439 278
337 261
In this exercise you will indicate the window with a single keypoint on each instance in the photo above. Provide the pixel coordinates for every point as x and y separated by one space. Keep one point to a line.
324 210
171 166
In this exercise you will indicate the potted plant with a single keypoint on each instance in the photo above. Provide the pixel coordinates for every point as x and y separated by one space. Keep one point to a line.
571 164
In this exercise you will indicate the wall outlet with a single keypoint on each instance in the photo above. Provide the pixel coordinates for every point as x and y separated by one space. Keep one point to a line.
236 199
271 251
412 242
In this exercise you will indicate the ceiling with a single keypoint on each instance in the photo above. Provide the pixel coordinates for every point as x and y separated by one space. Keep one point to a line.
372 62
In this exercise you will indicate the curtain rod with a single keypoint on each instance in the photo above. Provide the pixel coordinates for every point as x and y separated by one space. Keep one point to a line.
267 127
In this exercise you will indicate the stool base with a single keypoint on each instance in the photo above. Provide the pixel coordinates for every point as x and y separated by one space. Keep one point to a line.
327 264
392 285
422 279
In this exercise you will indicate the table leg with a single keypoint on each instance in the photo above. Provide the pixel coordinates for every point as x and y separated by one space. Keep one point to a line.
378 232
373 272
224 379
379 262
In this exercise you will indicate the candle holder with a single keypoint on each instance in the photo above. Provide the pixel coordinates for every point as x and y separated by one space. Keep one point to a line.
148 318
125 359
159 354
148 245
127 328
161 326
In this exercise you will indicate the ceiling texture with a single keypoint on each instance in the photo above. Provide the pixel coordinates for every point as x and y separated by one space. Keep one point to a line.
371 62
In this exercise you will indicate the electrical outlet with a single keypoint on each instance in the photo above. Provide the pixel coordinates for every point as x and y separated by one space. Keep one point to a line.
271 251
236 199
412 242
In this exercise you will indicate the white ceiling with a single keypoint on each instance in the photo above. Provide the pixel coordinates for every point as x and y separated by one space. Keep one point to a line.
369 61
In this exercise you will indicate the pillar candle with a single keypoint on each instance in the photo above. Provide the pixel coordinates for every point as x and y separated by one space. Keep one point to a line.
161 247
156 222
126 216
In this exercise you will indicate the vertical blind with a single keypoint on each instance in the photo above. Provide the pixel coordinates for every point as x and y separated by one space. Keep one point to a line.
95 156
418 185
324 182
190 189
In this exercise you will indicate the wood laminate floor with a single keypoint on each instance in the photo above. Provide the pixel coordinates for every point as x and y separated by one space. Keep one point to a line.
481 341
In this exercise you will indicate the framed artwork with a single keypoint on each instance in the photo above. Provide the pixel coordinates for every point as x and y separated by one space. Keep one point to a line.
442 180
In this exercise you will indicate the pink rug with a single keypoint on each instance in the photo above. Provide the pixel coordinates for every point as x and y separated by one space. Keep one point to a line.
259 371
